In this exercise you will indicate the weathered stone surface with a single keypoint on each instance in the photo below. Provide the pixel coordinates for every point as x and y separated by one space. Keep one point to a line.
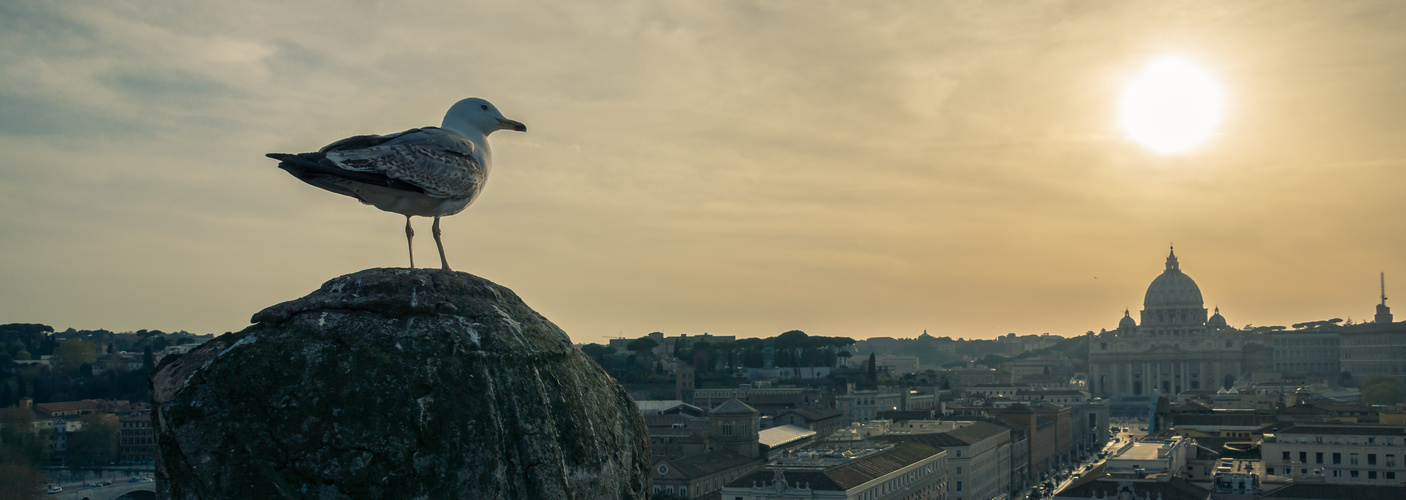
396 383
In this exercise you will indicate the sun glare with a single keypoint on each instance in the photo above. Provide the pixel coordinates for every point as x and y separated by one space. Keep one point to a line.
1173 106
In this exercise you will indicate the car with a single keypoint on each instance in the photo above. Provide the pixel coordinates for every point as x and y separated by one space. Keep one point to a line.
107 483
135 480
54 488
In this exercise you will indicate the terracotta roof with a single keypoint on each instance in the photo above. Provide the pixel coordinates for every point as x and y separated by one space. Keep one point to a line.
936 440
978 432
734 407
44 410
709 463
877 465
849 475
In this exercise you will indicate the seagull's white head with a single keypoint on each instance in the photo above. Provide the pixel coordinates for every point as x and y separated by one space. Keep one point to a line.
477 115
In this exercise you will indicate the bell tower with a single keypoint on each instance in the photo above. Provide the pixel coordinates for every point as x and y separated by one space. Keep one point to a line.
1383 312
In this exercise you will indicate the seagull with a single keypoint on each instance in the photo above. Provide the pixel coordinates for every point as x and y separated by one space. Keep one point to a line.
426 172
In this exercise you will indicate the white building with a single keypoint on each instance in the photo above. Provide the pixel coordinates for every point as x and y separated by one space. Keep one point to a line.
978 461
1338 453
1145 458
1174 348
862 406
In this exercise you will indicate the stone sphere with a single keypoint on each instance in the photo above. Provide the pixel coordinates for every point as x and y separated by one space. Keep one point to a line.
396 383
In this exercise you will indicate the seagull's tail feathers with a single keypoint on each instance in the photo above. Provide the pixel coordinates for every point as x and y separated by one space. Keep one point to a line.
316 169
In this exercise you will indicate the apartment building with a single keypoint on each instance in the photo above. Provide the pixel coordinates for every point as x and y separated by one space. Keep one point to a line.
1344 454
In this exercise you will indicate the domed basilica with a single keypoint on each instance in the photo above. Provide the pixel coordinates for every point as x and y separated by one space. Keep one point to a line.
1173 349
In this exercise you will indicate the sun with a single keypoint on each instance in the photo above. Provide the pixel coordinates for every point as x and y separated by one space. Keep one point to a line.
1173 106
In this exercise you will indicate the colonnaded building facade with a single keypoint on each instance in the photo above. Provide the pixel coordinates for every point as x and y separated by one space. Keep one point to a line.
1174 349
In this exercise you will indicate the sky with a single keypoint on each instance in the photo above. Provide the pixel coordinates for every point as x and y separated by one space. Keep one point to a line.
731 167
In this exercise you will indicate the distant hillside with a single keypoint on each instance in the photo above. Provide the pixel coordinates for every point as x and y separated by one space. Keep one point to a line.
934 352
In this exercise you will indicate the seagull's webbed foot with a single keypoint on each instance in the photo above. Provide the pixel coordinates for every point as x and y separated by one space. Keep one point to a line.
409 236
444 263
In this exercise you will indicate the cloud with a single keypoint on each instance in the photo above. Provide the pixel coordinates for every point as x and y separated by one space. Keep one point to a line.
726 166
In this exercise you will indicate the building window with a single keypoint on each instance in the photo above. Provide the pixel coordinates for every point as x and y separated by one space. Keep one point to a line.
1390 475
1352 459
1337 473
1337 458
1318 458
1371 474
959 486
1286 457
1371 459
1353 474
1390 460
1303 457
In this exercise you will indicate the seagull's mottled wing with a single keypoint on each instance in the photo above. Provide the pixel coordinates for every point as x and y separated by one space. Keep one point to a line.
438 161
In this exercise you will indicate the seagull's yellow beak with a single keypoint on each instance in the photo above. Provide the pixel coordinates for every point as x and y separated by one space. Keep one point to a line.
507 124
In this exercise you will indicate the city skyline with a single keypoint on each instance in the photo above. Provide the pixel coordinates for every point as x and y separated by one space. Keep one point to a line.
735 169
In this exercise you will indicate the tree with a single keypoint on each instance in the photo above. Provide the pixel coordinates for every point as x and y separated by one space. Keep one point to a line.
72 354
148 360
846 355
95 444
642 345
873 369
19 436
1382 389
21 479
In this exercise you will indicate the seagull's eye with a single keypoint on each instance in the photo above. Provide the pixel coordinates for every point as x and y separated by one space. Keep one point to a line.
483 107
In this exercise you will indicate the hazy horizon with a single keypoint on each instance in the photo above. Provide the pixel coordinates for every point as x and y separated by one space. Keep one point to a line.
734 168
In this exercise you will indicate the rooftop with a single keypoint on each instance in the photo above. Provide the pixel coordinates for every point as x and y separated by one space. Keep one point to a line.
734 407
784 434
1347 429
1141 451
836 472
708 463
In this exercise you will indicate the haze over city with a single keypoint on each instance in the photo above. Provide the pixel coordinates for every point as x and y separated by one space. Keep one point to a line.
733 168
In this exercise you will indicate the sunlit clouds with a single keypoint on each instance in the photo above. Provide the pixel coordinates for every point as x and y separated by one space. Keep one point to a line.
738 168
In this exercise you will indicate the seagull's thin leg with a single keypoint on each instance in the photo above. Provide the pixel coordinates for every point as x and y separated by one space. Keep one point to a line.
442 262
409 235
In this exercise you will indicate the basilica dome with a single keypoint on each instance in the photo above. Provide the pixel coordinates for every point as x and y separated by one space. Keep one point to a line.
1127 321
1216 320
1172 289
